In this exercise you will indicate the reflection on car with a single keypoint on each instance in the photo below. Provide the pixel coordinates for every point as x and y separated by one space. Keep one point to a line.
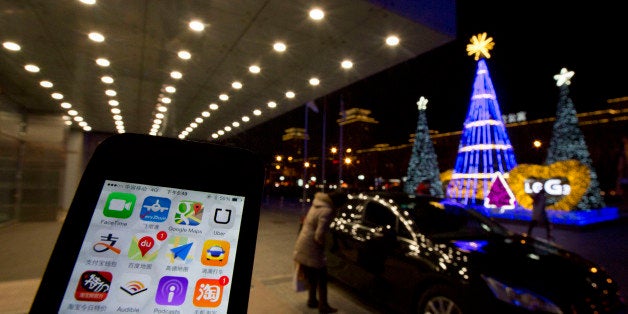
429 255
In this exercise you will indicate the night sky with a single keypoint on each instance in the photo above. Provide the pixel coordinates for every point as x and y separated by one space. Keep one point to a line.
533 41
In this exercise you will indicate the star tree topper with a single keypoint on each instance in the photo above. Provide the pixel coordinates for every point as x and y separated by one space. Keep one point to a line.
563 77
422 103
480 45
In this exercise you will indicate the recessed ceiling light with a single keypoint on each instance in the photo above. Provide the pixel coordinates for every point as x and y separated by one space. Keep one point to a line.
194 125
107 79
31 68
157 121
68 122
57 95
223 97
279 46
189 129
90 2
9 45
97 37
220 132
236 85
392 40
102 62
72 112
198 120
235 124
346 64
170 89
317 14
272 104
117 117
162 108
115 111
290 94
213 106
166 100
176 75
66 105
46 84
113 103
314 81
160 115
78 118
82 124
257 112
214 135
227 128
255 69
196 25
246 118
205 114
185 55
111 92
88 128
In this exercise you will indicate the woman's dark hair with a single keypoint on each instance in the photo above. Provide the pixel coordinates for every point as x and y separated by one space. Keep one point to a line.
338 197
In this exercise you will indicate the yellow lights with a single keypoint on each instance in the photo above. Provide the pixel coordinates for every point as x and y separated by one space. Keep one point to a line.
57 96
314 81
349 150
593 270
223 97
235 124
103 62
160 115
9 45
176 75
246 119
236 85
107 79
346 64
166 100
255 69
480 46
184 54
46 84
272 104
279 46
306 164
317 14
196 25
257 112
115 111
162 108
66 105
31 68
333 150
537 144
72 113
89 2
290 94
221 132
392 40
198 120
278 158
170 89
213 106
228 128
348 161
97 37
205 114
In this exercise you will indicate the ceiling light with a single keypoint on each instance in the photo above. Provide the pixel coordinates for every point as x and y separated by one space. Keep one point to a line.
220 132
119 123
65 118
185 55
162 108
189 129
196 25
170 89
214 135
223 97
68 122
246 119
236 85
314 81
111 92
90 2
346 64
255 69
176 75
115 111
317 14
113 103
198 120
290 94
107 79
235 124
185 133
78 118
103 62
117 117
46 84
66 105
83 124
88 128
97 37
31 68
157 121
57 95
272 104
213 106
205 114
9 45
392 40
193 125
228 128
257 112
279 46
72 112
160 115
166 100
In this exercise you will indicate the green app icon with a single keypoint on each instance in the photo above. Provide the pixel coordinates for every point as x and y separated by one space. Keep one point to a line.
119 205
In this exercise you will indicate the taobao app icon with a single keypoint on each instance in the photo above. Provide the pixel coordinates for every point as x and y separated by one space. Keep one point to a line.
119 205
208 292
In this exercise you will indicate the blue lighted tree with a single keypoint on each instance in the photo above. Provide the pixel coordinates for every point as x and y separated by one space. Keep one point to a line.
568 141
423 165
484 146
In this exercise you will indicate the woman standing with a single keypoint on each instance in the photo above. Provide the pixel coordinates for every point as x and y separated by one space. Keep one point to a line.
309 250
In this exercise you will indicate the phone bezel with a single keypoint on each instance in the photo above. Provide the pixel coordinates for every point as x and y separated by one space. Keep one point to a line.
164 162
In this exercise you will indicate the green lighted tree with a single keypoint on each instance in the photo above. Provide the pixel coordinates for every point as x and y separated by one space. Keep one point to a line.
423 165
568 141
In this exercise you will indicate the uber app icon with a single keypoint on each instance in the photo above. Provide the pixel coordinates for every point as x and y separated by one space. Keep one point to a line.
222 216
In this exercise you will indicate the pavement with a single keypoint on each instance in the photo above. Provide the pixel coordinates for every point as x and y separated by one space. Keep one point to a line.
26 248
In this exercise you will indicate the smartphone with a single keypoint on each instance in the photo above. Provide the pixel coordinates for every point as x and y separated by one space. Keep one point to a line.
157 225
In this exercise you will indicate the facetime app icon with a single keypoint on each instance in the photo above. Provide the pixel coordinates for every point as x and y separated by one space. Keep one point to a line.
119 205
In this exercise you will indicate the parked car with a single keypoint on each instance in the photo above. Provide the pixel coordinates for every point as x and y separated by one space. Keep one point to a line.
429 255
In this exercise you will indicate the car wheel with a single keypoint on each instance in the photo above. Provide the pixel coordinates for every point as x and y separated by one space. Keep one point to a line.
439 299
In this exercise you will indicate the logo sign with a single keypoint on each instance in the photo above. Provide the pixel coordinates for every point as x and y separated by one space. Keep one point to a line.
208 292
215 253
155 209
93 286
171 290
189 213
119 205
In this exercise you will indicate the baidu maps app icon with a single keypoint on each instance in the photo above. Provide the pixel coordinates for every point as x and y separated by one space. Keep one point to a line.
155 209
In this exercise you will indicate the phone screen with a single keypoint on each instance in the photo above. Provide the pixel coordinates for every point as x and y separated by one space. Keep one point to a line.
156 249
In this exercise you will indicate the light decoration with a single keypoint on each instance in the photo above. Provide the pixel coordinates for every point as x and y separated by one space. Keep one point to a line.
485 148
500 195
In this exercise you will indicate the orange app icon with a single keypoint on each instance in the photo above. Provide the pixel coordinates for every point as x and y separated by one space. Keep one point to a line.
215 253
208 292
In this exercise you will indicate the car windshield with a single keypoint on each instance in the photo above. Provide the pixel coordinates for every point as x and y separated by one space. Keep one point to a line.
440 218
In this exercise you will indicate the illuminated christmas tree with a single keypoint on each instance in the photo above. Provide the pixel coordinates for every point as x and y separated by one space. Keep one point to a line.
423 164
568 141
484 146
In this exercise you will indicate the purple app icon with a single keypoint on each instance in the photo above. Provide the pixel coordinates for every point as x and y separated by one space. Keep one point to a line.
171 290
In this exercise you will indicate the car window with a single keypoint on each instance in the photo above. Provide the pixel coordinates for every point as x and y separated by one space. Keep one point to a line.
378 215
445 221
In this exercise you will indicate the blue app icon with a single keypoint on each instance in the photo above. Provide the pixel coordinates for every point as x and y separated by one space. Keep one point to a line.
155 209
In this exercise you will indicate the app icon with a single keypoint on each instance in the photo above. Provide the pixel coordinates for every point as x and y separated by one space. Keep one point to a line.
119 205
181 250
208 292
215 253
171 290
144 247
155 209
105 244
93 286
134 288
222 216
189 213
